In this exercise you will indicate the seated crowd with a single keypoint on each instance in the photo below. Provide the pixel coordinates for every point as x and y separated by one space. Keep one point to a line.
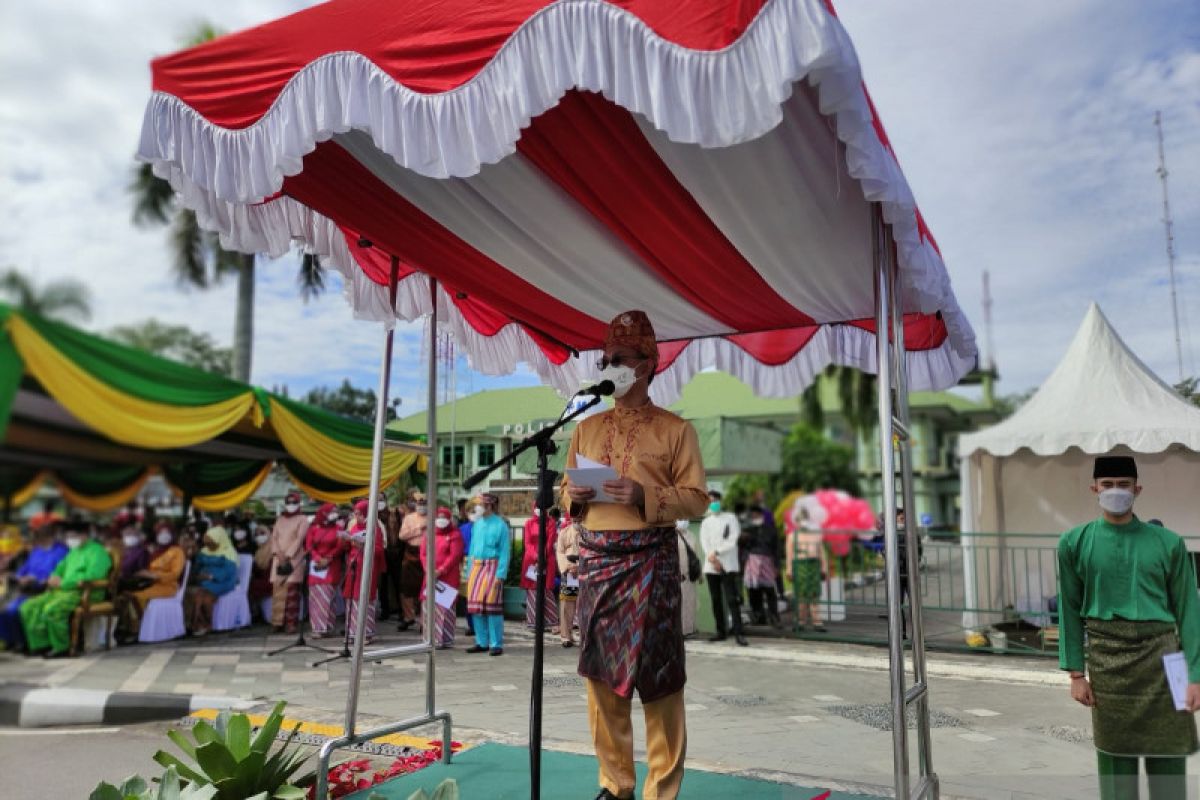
56 573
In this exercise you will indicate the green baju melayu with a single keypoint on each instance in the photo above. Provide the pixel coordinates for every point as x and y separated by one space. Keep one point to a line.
46 618
1132 588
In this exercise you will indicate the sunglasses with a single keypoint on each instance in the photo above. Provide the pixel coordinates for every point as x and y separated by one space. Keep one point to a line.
618 360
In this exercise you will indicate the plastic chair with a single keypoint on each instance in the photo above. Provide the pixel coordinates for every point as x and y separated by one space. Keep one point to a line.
163 618
232 610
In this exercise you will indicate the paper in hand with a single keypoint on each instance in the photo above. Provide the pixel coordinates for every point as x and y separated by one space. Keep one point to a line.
1175 665
592 473
445 595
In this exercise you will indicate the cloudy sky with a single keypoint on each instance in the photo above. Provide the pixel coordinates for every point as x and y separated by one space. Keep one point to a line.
1025 129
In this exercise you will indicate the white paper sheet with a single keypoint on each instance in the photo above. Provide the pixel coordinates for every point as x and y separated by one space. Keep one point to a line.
531 573
445 595
571 581
593 474
1175 665
313 572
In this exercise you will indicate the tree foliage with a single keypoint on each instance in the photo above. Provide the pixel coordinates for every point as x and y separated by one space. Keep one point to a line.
64 299
856 397
810 461
347 400
178 343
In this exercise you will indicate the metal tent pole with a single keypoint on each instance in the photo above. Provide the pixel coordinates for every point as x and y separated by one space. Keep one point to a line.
919 693
887 473
350 735
431 487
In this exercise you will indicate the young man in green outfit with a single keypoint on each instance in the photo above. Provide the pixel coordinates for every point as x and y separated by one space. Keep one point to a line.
46 619
1132 587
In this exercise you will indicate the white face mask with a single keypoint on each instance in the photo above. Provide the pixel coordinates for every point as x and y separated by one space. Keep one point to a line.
163 537
442 523
239 534
623 378
478 511
74 542
130 539
422 509
262 539
382 505
331 518
291 508
1117 501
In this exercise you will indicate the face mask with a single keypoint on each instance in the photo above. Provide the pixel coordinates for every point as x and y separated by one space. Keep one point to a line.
714 507
130 540
261 540
239 534
291 508
332 518
473 515
74 542
478 511
341 523
442 523
623 378
1116 501
422 509
163 537
382 505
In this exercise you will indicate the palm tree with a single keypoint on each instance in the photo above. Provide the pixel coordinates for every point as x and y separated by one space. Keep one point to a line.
855 397
198 259
65 298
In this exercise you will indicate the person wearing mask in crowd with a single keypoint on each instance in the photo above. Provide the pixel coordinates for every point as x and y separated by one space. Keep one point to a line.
161 575
46 619
287 569
689 600
566 556
260 574
28 581
135 557
491 549
1131 587
48 516
355 536
392 519
326 548
216 575
239 533
448 558
719 534
466 517
412 573
529 563
761 571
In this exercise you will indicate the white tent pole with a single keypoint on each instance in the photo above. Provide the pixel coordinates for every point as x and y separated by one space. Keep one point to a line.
431 488
968 469
887 475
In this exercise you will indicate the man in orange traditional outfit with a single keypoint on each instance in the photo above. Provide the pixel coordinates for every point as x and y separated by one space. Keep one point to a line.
629 595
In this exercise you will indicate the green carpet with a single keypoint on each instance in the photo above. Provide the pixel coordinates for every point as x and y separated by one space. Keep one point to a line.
501 772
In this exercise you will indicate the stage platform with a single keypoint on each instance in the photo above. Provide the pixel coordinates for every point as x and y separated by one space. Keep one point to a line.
501 772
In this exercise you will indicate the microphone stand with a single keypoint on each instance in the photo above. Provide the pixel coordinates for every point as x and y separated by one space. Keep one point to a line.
300 641
544 442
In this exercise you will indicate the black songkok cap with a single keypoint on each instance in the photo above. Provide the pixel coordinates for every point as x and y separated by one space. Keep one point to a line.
1114 467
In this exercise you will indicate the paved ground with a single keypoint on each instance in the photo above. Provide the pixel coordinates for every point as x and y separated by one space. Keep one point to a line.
1007 727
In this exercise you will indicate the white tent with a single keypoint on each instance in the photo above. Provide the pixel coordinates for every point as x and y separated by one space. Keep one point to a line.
1027 477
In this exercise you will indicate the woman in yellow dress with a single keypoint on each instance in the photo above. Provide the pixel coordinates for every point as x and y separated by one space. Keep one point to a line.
165 569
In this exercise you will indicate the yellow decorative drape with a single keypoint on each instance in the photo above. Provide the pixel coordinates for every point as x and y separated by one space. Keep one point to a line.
121 417
336 460
102 502
339 498
29 491
234 497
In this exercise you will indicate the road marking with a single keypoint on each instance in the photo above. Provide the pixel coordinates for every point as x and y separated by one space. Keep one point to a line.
827 698
982 712
261 666
63 732
66 674
302 676
214 659
695 707
197 670
504 687
188 688
804 718
976 737
727 690
147 672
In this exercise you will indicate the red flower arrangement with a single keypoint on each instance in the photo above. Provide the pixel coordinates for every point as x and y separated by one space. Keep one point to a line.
353 776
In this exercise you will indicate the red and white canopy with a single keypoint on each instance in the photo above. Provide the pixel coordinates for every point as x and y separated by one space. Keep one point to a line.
555 163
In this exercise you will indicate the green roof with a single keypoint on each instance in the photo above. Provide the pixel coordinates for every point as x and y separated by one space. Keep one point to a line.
709 394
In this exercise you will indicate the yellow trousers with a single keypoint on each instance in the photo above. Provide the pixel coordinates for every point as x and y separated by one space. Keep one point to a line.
610 718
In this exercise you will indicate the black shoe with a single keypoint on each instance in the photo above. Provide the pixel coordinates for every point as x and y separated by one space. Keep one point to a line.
41 651
568 643
605 794
819 628
56 654
741 640
720 637
404 625
475 648
497 651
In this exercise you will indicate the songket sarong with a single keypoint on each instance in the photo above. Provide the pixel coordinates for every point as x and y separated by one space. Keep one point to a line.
352 618
759 572
443 625
485 589
1134 714
806 572
320 602
629 612
548 602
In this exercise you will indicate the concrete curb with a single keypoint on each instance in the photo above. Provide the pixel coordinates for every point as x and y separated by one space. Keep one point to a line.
30 706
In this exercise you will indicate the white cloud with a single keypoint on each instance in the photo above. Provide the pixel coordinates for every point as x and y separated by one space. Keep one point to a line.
1024 129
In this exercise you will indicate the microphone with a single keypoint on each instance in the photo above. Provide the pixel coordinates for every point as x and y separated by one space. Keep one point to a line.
602 389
